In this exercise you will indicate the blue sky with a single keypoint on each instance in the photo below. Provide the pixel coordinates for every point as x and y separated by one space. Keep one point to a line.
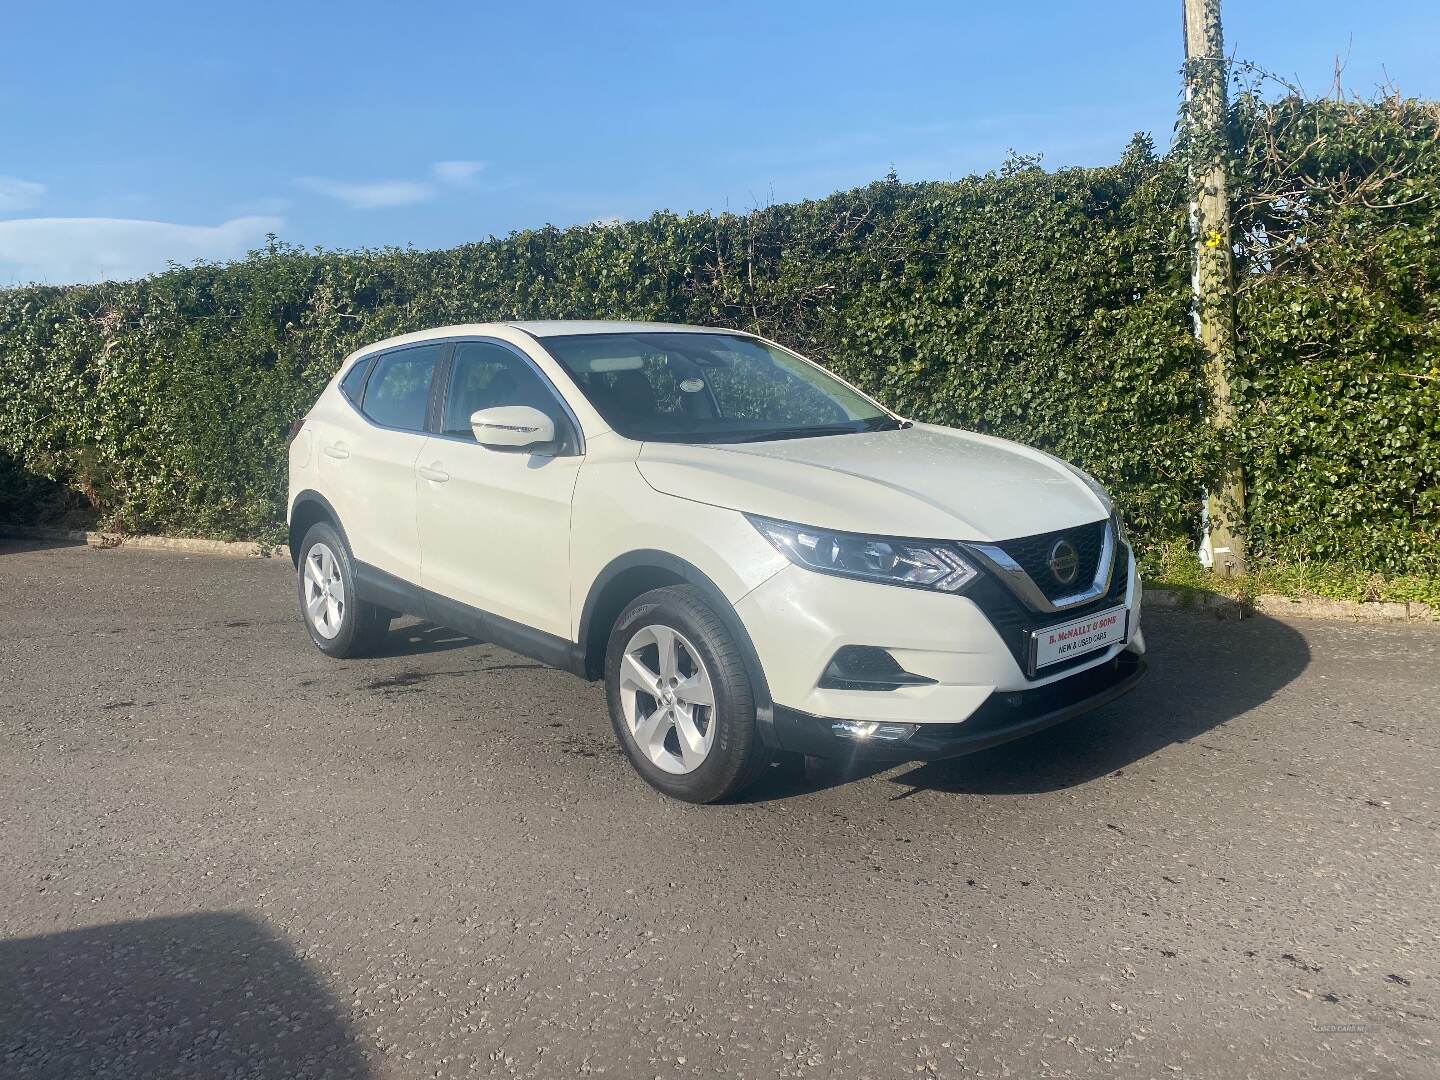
135 133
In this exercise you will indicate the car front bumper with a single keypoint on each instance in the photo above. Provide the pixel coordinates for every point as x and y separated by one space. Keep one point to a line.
969 652
1002 718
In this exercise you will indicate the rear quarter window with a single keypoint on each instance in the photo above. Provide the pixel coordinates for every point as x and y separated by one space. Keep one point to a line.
397 393
354 380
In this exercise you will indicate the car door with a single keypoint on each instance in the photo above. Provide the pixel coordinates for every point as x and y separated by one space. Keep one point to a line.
495 524
368 455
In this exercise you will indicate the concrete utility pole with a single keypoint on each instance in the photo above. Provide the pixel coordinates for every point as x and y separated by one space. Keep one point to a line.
1212 276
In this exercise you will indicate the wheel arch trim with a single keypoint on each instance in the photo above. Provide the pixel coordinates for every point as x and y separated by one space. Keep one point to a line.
310 497
650 559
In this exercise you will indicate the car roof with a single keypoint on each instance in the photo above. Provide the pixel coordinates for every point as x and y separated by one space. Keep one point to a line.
538 328
542 328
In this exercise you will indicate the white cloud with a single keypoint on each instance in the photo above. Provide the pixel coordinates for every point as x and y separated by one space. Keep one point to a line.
372 195
64 251
379 194
17 194
457 172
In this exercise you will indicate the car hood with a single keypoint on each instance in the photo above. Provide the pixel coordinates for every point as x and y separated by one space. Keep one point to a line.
920 481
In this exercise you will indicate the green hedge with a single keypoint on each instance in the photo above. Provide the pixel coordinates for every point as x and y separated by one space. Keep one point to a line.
1050 307
1339 315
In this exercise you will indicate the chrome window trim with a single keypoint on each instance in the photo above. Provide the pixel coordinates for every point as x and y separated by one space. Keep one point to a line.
1022 585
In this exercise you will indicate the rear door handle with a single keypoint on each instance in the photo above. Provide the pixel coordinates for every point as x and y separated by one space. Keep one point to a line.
434 473
337 451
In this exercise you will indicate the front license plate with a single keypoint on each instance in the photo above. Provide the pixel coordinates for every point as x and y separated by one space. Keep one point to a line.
1076 638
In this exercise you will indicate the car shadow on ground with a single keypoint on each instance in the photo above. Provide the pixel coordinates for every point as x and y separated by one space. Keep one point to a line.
213 994
1203 673
412 638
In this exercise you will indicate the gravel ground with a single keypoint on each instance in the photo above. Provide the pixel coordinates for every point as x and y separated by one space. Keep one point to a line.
222 854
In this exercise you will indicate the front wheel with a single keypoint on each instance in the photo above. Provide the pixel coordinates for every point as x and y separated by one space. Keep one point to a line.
680 699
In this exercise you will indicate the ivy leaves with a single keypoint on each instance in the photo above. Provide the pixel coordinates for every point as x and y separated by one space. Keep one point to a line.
1049 307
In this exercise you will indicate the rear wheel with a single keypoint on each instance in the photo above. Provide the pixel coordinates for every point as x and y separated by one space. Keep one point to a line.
680 699
340 623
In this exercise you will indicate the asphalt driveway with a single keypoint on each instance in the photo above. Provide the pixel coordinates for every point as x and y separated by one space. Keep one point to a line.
222 854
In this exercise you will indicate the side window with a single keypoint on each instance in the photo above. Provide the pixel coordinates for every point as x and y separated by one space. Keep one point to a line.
398 393
354 379
482 376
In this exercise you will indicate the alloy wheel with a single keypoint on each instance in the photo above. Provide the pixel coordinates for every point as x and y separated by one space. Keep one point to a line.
667 698
324 591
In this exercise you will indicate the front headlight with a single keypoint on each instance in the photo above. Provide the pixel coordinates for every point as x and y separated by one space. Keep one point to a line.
869 558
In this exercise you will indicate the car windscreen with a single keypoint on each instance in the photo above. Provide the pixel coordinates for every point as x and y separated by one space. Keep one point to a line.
710 387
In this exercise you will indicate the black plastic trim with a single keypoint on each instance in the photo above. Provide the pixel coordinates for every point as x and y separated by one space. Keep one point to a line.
547 648
905 678
1001 719
869 668
384 588
439 387
388 590
309 496
1015 622
691 575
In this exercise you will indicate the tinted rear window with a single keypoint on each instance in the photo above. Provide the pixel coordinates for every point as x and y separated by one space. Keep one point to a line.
354 379
398 393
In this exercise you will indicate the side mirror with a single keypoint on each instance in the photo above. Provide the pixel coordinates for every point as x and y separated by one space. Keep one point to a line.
512 427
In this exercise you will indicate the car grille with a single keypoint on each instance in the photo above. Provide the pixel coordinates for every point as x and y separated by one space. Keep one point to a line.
1014 622
1032 553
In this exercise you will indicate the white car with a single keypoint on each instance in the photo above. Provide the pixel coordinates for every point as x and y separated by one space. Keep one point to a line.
754 556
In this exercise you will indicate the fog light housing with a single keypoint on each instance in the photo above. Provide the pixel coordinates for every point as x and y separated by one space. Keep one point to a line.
867 667
872 730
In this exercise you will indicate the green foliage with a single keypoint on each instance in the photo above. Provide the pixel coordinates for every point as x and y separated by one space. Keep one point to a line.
1173 565
1339 315
1049 307
26 496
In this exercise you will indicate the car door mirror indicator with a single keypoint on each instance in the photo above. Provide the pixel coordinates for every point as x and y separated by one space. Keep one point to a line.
512 427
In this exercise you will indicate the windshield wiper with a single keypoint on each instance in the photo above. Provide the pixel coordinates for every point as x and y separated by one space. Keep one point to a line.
886 423
801 432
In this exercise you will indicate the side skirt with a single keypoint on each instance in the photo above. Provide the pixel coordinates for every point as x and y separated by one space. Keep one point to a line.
381 587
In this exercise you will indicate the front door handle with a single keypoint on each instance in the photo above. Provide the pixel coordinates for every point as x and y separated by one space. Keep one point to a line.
434 473
337 451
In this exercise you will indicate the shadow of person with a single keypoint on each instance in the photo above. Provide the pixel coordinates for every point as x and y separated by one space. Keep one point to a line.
16 545
213 994
1203 673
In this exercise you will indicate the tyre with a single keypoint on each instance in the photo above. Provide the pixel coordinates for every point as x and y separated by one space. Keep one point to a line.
340 623
680 698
